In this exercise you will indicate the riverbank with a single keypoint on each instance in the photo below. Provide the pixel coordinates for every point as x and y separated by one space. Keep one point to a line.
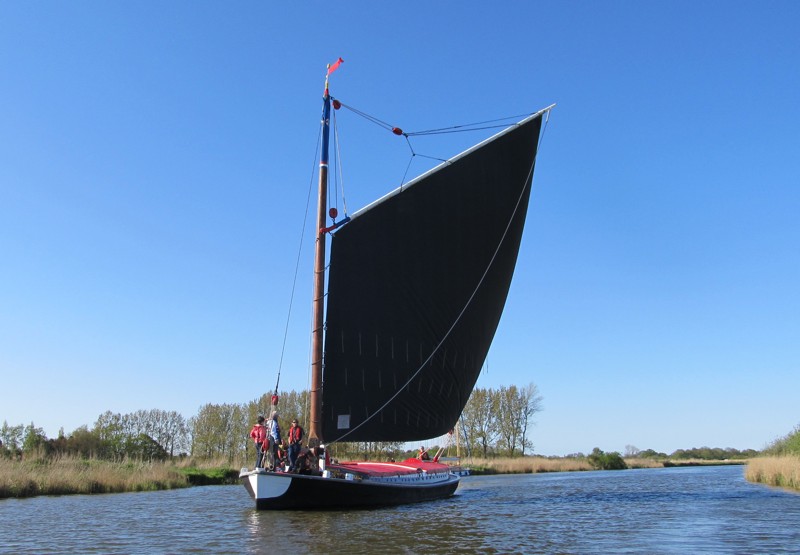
780 471
523 465
67 475
533 465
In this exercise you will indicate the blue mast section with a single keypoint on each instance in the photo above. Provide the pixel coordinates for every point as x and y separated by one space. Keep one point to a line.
315 425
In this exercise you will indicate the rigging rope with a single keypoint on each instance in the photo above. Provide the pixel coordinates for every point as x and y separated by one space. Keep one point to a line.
476 126
297 263
339 172
471 126
463 128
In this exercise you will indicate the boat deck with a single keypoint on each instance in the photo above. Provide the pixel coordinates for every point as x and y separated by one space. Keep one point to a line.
408 466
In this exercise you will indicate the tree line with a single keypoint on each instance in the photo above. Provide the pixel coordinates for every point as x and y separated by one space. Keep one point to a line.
217 431
495 422
144 435
700 453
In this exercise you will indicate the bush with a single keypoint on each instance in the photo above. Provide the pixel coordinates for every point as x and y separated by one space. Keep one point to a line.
788 445
606 461
651 454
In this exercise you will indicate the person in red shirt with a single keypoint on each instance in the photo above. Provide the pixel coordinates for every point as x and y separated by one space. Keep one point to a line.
295 442
259 435
423 454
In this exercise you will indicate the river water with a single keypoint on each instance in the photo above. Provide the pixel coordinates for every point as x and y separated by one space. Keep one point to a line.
671 510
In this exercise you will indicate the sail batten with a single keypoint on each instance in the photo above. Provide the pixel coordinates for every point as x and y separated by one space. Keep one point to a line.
430 263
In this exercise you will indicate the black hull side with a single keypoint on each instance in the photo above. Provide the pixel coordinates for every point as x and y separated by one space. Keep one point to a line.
311 492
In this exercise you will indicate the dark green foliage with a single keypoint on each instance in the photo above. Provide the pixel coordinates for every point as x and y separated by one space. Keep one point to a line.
713 454
651 454
210 476
144 448
606 461
85 443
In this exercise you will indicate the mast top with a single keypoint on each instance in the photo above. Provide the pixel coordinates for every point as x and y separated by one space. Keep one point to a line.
331 68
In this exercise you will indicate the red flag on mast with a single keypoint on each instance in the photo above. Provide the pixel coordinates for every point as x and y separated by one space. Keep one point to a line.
335 66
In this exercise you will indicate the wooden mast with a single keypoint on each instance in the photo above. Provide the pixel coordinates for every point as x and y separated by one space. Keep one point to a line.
315 426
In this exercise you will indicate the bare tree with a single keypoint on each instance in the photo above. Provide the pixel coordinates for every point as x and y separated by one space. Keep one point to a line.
530 402
510 419
631 451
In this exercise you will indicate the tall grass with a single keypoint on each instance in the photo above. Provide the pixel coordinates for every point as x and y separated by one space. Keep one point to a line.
636 462
782 471
524 465
67 475
531 465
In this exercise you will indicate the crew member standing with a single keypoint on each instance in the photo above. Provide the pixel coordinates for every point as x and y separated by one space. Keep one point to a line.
274 436
295 439
259 435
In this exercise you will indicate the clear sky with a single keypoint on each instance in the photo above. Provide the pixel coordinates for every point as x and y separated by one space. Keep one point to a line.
155 160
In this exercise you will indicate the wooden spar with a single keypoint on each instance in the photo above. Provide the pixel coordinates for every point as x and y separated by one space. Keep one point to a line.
315 432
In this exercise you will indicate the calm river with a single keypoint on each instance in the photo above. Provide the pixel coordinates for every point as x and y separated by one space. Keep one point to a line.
676 510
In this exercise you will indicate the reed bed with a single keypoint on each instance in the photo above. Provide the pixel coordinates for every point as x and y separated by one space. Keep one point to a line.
68 475
524 465
532 465
635 462
781 471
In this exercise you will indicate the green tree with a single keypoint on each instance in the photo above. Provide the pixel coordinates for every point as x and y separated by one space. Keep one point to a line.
34 440
606 461
145 448
479 420
11 436
509 420
110 430
651 454
167 428
86 443
494 422
220 431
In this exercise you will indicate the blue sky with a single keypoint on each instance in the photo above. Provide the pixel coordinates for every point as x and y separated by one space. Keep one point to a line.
155 160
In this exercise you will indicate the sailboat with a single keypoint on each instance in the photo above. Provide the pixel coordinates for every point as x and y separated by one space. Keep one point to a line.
417 284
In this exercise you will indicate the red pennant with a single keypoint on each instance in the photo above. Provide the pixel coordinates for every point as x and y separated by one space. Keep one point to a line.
335 66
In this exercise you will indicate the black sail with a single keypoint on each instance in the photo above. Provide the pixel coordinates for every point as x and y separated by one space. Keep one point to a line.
417 286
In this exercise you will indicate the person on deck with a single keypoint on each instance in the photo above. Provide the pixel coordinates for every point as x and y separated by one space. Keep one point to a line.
283 458
259 435
295 439
423 454
304 463
274 436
